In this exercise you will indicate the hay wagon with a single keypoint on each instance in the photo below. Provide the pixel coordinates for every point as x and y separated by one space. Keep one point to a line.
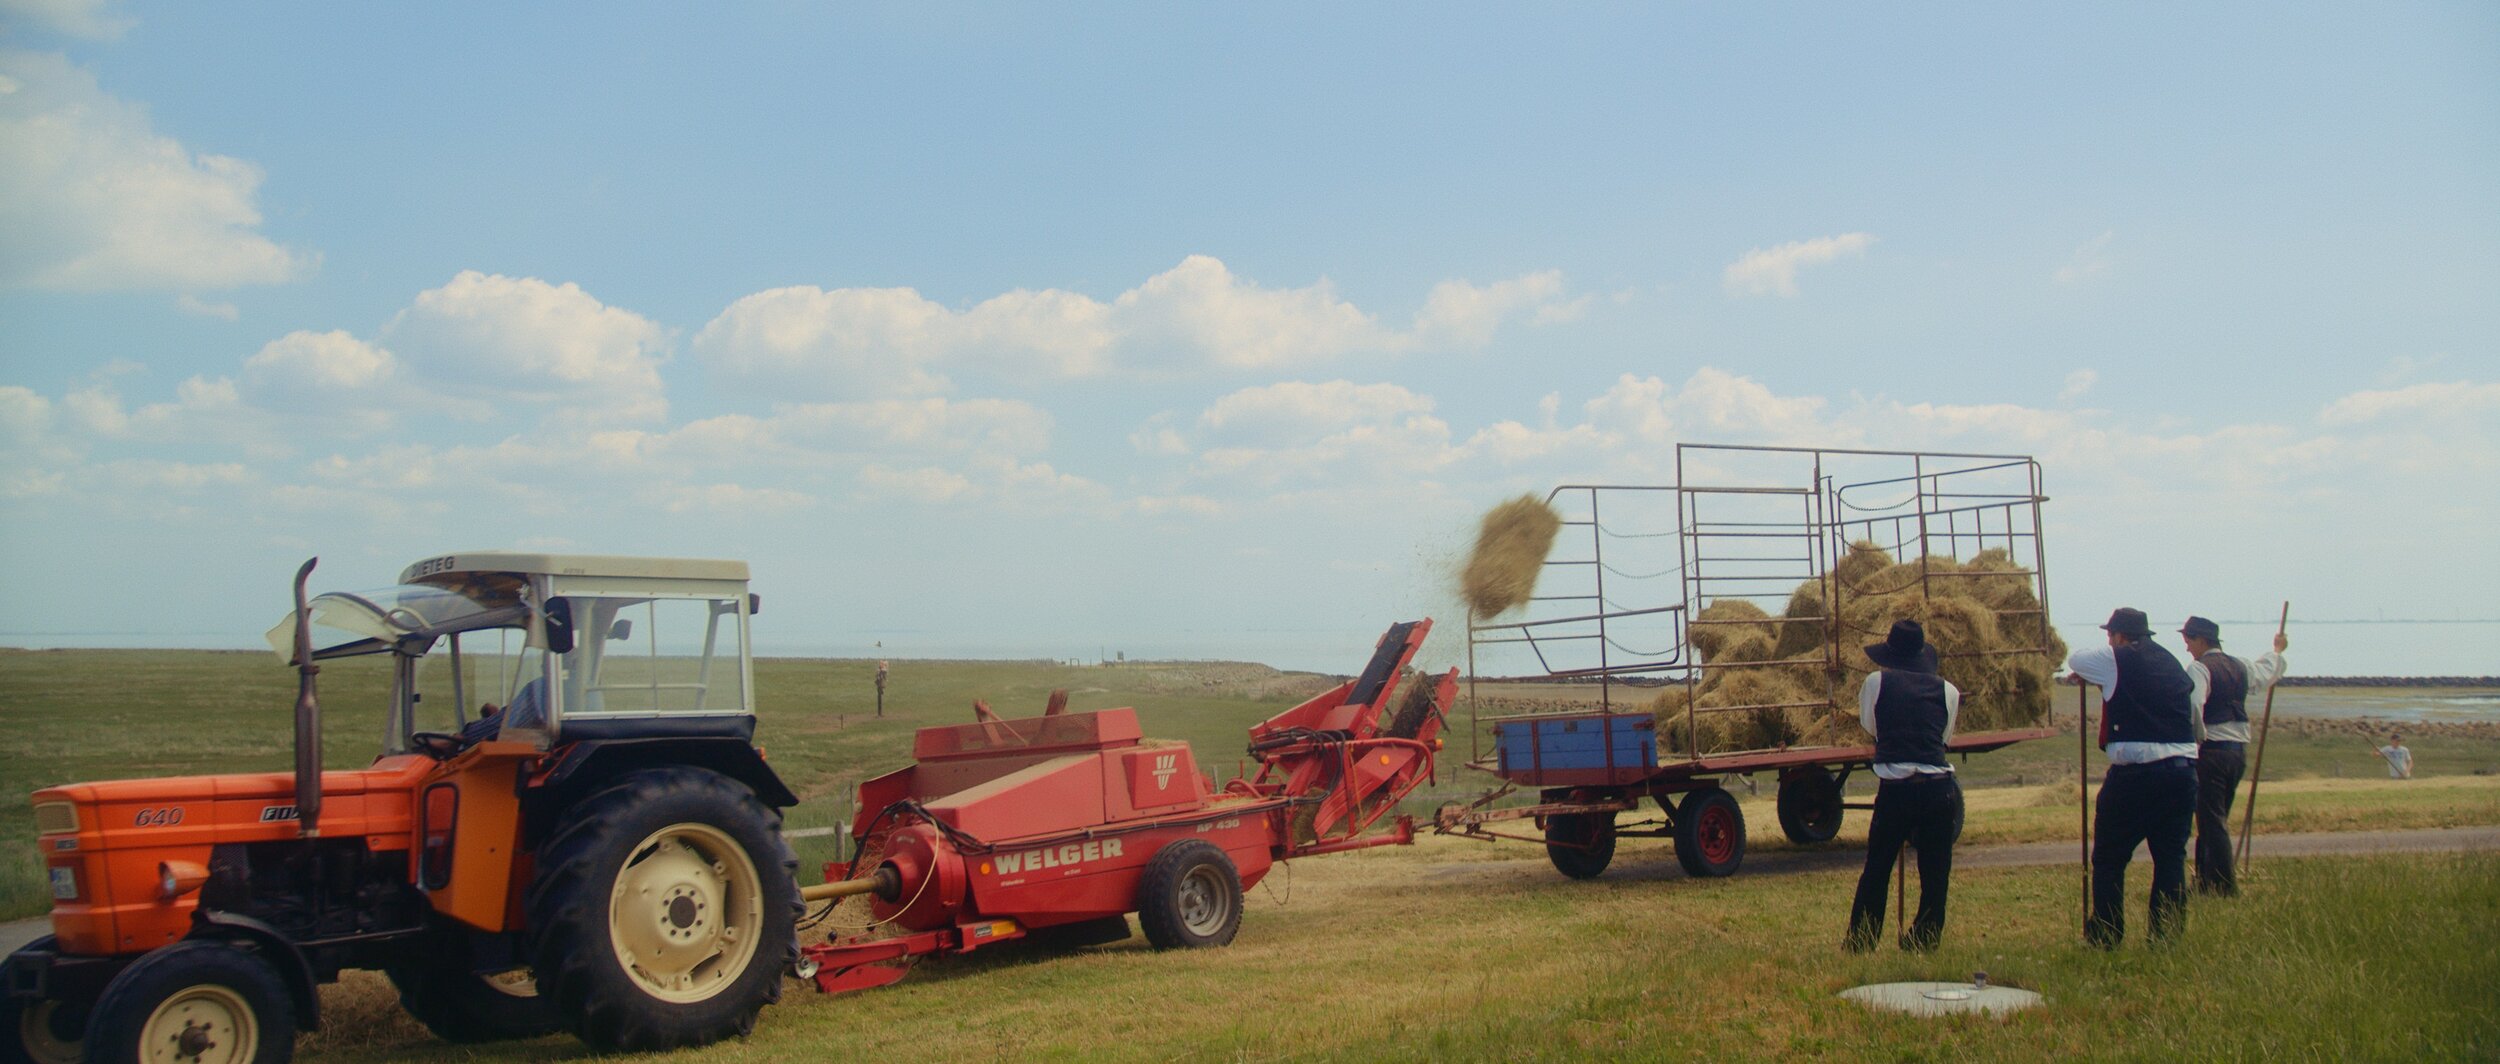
1721 622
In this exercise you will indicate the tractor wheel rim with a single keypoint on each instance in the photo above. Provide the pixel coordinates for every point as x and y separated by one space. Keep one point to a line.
521 982
687 913
203 1024
1718 835
1204 903
41 1043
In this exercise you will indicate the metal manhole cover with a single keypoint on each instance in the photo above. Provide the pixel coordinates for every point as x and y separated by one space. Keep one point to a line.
1942 999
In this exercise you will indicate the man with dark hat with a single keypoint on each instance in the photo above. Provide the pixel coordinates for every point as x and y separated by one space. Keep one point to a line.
2223 755
2149 728
1910 711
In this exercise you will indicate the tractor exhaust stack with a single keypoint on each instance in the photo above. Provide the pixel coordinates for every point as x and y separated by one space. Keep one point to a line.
307 715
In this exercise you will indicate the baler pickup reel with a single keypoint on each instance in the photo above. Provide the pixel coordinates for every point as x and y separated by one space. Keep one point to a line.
1067 822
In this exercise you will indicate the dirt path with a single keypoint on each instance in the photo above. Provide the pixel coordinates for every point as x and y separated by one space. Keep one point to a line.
17 933
1787 862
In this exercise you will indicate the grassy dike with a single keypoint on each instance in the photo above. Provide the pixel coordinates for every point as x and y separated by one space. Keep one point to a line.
1454 949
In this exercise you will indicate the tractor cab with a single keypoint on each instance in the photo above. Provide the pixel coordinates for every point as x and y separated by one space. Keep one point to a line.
547 649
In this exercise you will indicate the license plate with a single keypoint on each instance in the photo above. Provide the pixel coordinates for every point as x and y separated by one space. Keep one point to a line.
65 884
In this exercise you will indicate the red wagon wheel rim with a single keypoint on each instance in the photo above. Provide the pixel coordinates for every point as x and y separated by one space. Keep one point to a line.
1718 834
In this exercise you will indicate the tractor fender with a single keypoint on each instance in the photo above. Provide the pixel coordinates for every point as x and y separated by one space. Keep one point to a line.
288 961
584 766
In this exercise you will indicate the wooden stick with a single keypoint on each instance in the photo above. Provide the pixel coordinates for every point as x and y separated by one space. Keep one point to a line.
2083 794
2248 817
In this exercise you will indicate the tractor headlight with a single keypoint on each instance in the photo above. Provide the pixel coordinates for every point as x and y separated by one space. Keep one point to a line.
177 878
64 883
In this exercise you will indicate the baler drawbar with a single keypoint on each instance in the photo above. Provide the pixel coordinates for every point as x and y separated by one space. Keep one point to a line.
1067 822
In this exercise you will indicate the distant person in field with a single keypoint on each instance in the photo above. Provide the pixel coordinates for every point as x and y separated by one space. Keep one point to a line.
2399 759
2149 728
2223 755
1910 711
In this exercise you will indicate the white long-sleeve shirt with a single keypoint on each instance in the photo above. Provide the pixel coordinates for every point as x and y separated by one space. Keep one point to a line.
2099 666
2262 672
1902 770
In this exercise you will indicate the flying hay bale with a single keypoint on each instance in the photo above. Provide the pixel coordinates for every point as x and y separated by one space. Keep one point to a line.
1511 546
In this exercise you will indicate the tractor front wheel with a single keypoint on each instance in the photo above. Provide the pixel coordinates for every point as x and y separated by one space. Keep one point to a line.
1581 845
663 911
198 1000
1191 896
49 1031
440 985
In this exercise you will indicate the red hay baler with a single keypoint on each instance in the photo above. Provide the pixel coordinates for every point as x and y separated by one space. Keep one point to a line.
1067 822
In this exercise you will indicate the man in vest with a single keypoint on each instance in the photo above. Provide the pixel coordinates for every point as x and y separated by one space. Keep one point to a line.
2224 754
2149 727
1910 712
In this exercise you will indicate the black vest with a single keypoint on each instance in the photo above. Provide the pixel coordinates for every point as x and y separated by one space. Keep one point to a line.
2226 697
2150 704
1909 718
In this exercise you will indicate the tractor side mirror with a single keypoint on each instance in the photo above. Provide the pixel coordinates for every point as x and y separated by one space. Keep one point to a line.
559 620
622 630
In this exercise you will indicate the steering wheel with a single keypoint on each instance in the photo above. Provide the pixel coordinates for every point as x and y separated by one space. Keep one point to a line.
438 745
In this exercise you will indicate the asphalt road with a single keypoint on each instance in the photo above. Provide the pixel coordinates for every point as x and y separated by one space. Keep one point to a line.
1790 862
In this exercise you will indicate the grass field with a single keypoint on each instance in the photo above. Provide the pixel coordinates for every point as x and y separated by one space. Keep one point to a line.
1456 949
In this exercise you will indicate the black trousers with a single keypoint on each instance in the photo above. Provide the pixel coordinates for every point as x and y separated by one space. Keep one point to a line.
2154 804
2218 768
1926 812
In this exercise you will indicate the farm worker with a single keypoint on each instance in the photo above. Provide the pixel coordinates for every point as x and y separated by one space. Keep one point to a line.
2149 727
1910 711
2224 754
2399 759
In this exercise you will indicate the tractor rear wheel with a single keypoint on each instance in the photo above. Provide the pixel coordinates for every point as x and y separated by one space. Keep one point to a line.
1810 805
1709 834
440 985
1191 896
663 911
1581 845
198 1000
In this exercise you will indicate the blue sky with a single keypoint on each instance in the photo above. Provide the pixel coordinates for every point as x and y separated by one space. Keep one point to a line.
1189 331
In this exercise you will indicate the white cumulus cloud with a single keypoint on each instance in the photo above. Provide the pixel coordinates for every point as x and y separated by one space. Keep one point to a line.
93 198
1773 271
499 339
887 342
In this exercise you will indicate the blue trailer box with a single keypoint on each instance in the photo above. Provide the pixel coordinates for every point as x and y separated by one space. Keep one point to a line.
1599 741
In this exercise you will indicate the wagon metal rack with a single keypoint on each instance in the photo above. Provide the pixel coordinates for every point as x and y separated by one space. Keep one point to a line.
1619 607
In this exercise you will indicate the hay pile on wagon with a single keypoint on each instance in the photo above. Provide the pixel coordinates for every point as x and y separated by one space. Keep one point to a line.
1775 681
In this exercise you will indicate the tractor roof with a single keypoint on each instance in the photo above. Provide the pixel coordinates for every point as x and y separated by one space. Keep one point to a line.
452 568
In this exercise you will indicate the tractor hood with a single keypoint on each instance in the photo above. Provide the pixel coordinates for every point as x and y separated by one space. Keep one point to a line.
378 620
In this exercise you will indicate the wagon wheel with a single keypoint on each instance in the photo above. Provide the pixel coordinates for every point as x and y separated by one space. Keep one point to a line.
1581 845
1709 834
1809 805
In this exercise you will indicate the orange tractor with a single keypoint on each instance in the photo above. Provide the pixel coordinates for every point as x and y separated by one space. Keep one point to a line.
596 849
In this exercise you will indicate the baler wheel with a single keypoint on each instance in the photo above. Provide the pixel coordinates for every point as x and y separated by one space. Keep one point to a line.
1709 834
663 911
1810 805
196 1000
1581 845
440 986
1191 896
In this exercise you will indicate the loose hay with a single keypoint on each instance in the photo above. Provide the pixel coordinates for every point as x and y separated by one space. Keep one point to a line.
1726 623
1511 546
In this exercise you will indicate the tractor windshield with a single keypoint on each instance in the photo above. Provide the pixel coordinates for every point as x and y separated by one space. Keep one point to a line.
364 622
